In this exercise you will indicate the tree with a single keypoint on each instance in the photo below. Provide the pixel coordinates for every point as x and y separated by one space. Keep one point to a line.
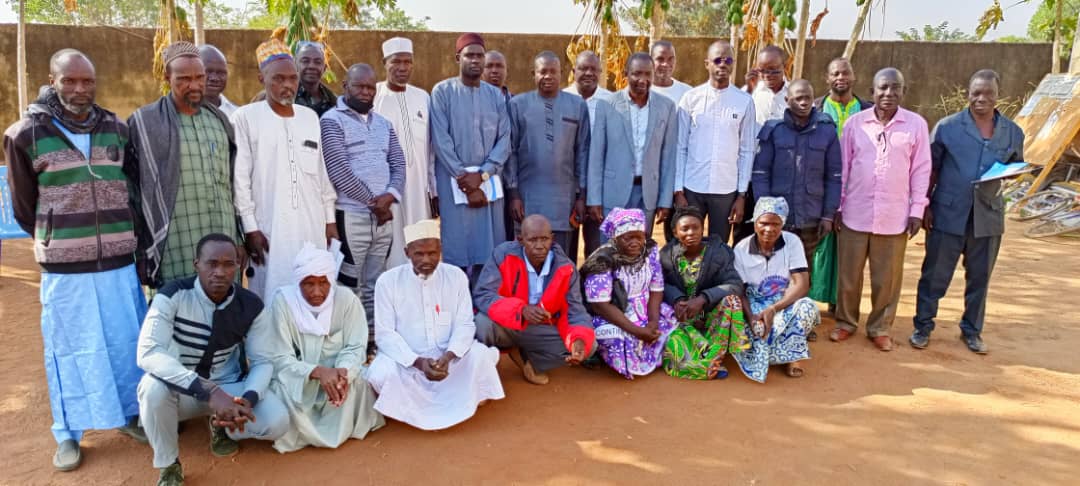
689 18
124 13
391 18
935 33
856 30
1042 23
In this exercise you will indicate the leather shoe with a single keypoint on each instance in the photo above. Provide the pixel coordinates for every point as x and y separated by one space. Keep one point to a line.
839 334
974 343
919 340
883 343
68 456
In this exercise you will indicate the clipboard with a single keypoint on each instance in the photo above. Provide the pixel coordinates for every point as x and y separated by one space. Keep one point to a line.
1002 170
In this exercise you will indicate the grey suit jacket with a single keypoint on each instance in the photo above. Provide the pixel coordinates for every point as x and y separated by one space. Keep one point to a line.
610 176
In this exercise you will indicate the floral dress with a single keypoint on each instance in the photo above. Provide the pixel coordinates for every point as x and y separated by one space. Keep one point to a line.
623 352
697 343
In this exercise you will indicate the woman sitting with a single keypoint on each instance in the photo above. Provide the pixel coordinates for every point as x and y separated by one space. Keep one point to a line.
772 265
701 283
624 289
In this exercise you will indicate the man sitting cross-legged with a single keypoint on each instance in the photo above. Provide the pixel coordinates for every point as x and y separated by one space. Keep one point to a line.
529 299
429 371
192 347
320 337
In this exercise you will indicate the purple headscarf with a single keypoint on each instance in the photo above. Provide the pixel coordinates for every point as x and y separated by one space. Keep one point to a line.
621 221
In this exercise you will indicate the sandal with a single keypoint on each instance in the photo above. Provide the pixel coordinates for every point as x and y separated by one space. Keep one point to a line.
793 370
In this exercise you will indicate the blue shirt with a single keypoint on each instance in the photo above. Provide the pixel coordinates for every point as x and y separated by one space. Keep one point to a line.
80 140
536 281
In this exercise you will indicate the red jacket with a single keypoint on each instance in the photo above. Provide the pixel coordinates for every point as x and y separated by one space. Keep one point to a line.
504 296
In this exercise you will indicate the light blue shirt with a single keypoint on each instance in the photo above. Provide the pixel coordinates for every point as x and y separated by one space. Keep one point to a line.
536 281
81 140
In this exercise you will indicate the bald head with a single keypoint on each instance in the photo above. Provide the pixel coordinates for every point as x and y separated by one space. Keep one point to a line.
64 57
801 84
889 91
536 238
73 77
360 87
217 72
535 223
585 56
359 70
587 73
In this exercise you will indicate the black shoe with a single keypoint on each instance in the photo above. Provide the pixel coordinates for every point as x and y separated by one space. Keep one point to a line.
919 339
975 344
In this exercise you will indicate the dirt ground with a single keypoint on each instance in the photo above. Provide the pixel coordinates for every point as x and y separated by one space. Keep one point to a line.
859 416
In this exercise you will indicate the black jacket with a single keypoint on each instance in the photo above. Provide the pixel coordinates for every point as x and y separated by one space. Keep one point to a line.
718 278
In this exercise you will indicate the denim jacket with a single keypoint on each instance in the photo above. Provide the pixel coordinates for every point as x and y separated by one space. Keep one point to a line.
800 165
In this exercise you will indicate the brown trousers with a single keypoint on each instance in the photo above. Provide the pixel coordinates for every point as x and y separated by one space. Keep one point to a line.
886 255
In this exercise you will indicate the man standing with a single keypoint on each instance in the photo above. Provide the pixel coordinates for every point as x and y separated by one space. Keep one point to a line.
185 150
770 92
217 78
206 347
406 106
964 217
841 102
283 194
586 84
886 177
799 160
67 174
529 298
470 130
495 73
311 65
550 149
663 82
365 163
632 154
430 372
717 134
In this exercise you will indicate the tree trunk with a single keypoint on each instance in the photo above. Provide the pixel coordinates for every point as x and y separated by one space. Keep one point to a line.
856 32
800 43
20 63
200 35
656 24
1074 62
1055 65
603 58
734 38
173 28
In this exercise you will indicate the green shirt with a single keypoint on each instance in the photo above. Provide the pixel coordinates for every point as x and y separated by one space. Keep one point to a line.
839 113
204 201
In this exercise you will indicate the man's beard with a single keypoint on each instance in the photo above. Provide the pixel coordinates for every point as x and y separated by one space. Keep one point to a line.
77 110
285 100
362 107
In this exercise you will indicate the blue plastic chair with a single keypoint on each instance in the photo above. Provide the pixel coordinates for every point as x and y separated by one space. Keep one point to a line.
9 229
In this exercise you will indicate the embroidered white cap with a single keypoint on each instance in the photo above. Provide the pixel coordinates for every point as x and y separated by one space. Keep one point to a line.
395 45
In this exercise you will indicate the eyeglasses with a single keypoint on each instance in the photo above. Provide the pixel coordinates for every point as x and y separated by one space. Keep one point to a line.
771 72
723 60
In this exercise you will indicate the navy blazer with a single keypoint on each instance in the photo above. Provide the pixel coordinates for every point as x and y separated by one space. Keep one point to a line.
802 166
960 157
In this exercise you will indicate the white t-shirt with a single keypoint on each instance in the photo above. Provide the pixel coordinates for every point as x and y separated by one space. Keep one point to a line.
767 276
674 92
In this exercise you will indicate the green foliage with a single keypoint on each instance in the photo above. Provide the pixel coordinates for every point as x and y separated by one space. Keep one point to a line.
392 18
1014 39
935 33
128 13
1041 25
689 18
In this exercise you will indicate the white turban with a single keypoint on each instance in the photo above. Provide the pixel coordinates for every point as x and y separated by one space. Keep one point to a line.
311 262
395 45
422 230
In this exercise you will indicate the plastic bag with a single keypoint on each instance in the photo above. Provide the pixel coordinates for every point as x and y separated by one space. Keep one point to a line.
823 271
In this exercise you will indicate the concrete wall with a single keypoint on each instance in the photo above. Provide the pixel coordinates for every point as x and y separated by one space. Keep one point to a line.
124 58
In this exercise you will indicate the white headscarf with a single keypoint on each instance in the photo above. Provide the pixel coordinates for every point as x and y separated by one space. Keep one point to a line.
312 262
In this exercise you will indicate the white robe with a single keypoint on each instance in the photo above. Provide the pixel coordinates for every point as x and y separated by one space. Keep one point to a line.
281 187
314 420
408 113
424 318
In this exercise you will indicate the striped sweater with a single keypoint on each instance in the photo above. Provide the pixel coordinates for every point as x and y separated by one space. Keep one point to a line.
78 210
363 157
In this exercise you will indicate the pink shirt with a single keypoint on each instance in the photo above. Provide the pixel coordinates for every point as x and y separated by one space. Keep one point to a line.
886 171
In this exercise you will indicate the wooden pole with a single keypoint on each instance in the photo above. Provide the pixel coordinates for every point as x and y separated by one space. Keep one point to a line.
173 27
800 44
1056 62
20 62
1074 61
200 35
856 32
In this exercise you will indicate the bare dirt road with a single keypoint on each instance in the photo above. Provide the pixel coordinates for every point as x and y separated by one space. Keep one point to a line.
860 417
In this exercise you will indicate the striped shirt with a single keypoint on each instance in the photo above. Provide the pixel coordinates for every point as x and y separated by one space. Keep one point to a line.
363 157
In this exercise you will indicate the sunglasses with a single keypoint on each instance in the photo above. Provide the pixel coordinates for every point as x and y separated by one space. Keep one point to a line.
771 72
723 60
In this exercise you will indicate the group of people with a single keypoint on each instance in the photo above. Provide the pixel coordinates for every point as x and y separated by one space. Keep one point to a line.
360 305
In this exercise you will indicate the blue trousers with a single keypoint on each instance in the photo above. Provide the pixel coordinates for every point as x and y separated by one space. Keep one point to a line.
943 250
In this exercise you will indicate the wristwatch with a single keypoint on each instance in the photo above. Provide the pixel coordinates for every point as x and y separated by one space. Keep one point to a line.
484 176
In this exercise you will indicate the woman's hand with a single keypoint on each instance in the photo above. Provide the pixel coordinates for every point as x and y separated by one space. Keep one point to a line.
766 318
